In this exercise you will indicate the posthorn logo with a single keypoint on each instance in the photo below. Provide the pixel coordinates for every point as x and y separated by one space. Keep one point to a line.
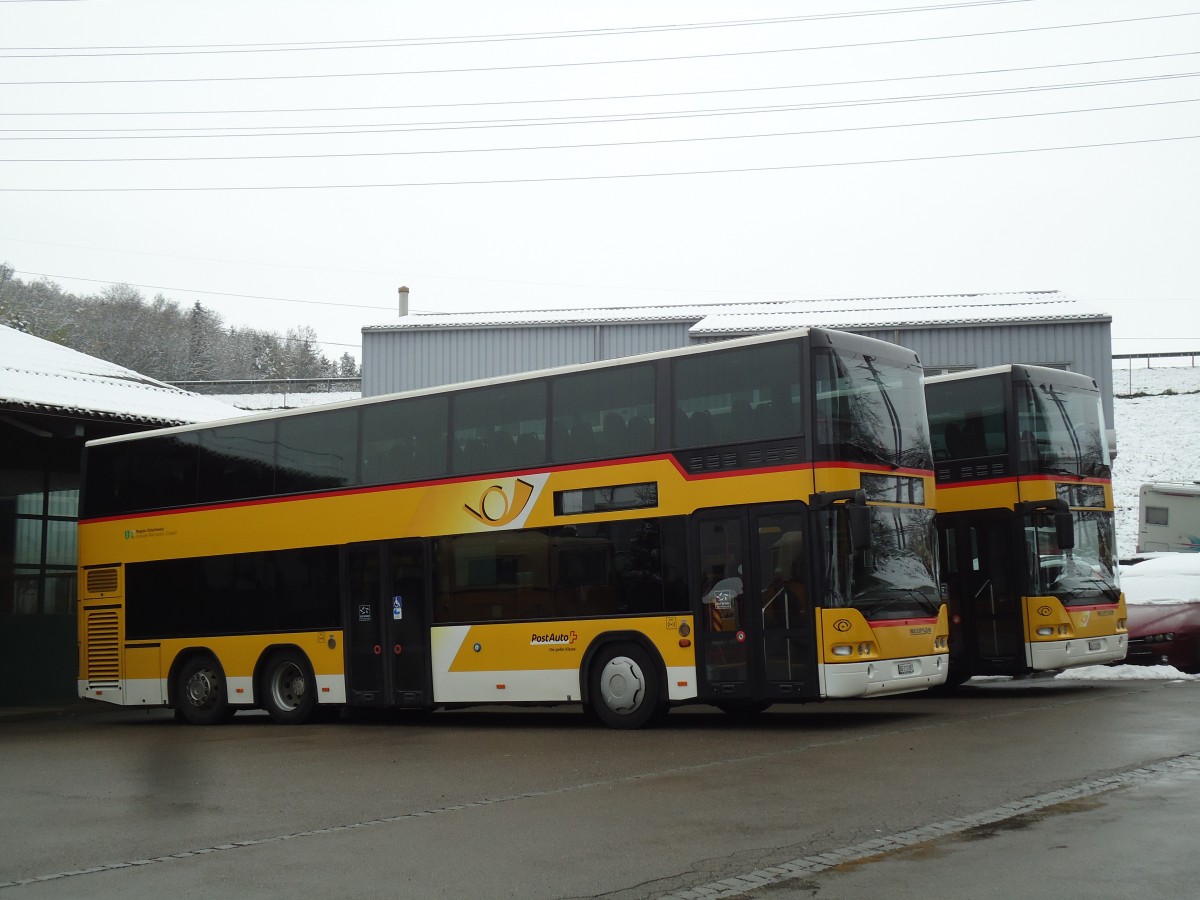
497 508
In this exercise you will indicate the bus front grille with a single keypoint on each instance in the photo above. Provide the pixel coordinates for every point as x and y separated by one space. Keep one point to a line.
103 650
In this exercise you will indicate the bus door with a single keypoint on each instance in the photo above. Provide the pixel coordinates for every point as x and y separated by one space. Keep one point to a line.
384 600
756 627
981 571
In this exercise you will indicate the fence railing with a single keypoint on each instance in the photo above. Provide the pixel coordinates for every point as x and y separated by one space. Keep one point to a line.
1185 354
272 385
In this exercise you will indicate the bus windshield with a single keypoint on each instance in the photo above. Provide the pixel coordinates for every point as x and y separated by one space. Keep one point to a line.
1083 575
896 578
870 410
1062 431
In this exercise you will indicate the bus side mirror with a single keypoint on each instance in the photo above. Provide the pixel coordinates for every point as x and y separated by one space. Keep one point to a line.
1064 530
859 516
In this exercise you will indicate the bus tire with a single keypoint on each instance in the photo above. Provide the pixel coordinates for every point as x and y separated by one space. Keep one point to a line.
289 690
201 697
625 691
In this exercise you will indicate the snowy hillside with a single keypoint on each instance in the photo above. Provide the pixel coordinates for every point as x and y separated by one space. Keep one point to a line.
1155 435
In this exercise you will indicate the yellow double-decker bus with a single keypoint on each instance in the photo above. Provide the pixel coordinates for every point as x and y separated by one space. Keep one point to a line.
739 523
1025 521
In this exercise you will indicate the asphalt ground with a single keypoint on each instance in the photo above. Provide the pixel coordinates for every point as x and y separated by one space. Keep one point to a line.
1129 832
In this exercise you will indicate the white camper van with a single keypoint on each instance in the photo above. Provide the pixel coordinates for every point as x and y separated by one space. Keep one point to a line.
1169 517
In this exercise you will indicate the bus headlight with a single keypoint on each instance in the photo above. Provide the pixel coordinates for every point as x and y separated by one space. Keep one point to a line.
866 648
1045 631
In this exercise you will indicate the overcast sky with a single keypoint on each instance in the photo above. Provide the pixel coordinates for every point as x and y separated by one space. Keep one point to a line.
589 154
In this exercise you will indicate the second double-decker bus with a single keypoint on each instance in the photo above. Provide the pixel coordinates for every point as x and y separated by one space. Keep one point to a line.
1025 521
739 523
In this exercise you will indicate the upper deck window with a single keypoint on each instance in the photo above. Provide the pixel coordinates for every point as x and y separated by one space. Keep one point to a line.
748 394
1061 430
870 410
606 413
498 428
967 418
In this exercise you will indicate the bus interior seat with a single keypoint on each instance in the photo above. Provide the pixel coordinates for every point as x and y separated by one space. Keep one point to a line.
954 440
530 450
974 437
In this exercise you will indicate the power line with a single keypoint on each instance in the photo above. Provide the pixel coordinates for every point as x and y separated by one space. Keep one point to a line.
408 277
217 294
158 287
573 178
599 145
378 43
784 87
600 62
668 115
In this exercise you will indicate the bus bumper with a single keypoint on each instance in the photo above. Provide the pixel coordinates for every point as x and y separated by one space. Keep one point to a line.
882 677
1086 651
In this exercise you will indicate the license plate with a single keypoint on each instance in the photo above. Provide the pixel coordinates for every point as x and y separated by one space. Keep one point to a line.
905 668
1095 645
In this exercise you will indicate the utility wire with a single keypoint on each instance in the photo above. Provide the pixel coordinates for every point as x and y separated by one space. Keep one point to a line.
601 62
152 287
571 178
158 287
462 125
598 145
303 46
783 87
390 274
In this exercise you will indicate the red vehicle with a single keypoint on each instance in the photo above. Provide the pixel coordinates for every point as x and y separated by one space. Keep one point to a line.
1162 598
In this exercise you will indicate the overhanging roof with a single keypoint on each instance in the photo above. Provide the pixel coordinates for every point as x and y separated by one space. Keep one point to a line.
43 377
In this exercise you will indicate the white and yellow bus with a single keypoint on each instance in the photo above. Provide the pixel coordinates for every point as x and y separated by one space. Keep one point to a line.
739 523
1025 521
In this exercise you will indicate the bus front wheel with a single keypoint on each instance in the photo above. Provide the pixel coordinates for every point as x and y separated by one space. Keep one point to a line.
625 692
201 697
289 691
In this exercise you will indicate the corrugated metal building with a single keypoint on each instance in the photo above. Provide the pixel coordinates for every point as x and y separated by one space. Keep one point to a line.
948 332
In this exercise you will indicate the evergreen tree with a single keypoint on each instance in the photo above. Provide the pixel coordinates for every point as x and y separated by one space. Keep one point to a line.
160 338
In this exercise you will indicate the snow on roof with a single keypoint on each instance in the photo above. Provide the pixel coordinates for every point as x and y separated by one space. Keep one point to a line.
41 376
755 318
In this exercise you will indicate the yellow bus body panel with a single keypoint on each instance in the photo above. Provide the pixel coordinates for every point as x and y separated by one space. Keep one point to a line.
880 639
525 646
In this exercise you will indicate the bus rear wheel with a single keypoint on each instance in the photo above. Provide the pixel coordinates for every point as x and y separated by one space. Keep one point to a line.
625 692
289 690
200 696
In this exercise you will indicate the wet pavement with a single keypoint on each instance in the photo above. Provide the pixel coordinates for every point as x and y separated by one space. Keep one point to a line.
1133 834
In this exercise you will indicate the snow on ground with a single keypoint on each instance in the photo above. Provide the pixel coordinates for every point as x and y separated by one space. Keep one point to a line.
1125 673
1157 435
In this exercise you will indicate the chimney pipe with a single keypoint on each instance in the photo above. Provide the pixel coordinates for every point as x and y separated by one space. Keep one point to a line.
403 292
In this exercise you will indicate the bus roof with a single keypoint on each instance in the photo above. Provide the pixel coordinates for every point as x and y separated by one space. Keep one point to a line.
846 340
1020 370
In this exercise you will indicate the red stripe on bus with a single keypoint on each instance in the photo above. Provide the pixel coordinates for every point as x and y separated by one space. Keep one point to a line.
513 473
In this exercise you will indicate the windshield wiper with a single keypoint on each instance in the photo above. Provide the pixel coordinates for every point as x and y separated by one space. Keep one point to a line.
923 600
1057 470
1106 588
873 454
